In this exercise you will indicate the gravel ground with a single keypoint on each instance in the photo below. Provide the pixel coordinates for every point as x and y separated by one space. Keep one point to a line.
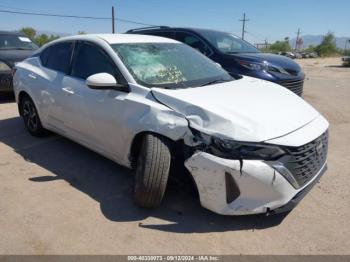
57 197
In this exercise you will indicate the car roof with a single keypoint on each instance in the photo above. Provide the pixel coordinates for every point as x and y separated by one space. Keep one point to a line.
168 28
120 38
11 33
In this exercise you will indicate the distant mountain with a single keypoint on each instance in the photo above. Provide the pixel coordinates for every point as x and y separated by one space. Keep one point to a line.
317 39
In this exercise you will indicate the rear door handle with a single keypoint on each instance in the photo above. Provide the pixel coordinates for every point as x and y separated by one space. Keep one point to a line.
68 90
31 75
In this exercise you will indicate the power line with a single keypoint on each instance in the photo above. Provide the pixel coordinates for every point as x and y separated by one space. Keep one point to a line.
243 26
113 21
258 37
74 16
297 39
16 8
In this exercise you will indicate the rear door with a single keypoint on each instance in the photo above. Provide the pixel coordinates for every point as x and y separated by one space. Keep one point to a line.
55 62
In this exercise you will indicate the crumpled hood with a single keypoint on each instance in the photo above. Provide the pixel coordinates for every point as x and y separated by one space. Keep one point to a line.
248 109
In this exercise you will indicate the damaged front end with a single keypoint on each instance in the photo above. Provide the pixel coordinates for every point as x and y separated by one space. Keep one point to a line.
236 178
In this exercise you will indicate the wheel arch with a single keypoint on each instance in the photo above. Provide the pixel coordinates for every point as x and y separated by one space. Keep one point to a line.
137 142
178 155
22 94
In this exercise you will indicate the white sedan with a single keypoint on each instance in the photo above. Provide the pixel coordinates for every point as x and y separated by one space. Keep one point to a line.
250 145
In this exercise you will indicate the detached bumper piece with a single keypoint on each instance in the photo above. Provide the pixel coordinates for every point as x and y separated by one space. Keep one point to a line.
234 187
298 197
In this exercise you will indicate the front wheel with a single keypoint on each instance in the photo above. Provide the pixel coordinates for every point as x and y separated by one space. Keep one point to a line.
152 172
31 117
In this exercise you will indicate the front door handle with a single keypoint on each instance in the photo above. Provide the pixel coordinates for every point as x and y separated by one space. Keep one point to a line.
68 90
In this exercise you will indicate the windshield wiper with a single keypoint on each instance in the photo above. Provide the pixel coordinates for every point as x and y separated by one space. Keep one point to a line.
215 82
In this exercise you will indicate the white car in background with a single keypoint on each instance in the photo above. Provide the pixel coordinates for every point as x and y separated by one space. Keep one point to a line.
250 145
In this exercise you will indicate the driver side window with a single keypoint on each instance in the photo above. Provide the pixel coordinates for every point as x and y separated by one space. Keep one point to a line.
194 42
90 60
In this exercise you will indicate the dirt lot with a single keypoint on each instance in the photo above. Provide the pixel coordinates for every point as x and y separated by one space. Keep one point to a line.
57 197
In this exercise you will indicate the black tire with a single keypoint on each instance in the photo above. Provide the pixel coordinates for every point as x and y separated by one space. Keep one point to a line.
31 117
152 172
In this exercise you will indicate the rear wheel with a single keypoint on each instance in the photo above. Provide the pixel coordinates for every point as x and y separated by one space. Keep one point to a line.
152 171
31 117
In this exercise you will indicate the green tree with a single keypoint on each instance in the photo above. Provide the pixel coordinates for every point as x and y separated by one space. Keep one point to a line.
38 39
280 46
82 33
44 38
311 48
327 46
29 31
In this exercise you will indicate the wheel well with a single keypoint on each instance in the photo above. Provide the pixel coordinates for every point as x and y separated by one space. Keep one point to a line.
21 95
136 146
179 154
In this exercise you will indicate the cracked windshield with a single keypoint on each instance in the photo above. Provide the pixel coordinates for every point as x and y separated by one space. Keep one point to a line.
169 65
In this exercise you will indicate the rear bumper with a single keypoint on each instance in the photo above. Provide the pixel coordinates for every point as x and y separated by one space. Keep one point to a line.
6 83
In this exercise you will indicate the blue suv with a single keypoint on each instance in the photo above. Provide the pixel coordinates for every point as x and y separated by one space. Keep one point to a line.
235 55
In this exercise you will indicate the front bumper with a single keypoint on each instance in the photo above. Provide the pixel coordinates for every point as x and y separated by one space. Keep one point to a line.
231 187
6 82
299 196
294 83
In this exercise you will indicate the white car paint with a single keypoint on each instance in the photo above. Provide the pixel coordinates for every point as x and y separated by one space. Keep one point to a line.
262 188
101 80
107 121
221 110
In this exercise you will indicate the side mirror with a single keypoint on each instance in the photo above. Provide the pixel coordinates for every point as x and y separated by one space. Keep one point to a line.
102 81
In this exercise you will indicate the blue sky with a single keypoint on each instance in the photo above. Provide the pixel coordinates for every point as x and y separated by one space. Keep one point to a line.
271 19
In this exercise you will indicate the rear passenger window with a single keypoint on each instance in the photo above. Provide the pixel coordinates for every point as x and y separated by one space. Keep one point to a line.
91 60
57 57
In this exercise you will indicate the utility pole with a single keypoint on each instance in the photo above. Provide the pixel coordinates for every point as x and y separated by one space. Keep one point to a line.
297 40
346 43
243 27
113 21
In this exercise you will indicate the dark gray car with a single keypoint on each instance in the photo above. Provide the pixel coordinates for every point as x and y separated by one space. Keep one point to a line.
14 47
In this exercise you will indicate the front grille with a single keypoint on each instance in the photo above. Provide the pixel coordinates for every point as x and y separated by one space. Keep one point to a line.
295 86
307 160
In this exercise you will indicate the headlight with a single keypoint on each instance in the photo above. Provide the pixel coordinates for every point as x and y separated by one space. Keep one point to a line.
254 66
239 150
277 69
4 67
